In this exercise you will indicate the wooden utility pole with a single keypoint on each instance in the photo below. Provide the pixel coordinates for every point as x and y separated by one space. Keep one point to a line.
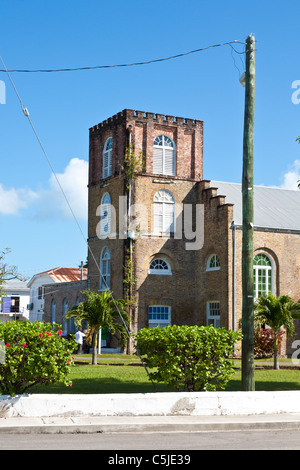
248 383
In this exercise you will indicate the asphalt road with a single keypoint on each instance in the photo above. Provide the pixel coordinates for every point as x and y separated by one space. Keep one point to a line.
281 439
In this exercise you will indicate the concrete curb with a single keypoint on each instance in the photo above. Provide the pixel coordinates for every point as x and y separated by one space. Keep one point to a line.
117 424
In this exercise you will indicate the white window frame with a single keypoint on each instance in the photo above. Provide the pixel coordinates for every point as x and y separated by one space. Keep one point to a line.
107 158
212 315
104 269
105 215
159 315
164 163
159 266
164 212
215 261
268 272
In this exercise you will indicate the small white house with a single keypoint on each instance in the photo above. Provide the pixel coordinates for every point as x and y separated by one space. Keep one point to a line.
52 276
14 304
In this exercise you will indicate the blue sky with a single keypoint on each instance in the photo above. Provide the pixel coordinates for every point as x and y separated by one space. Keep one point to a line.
35 222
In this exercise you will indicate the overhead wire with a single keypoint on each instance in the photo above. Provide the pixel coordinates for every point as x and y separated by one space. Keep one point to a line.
133 64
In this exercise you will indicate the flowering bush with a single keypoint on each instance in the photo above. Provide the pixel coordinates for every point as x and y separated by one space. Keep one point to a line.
33 353
189 358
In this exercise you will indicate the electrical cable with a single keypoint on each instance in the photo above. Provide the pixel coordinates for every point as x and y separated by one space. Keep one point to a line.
153 61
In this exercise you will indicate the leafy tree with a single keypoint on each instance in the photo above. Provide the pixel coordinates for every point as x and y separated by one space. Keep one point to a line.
189 358
100 311
31 354
277 312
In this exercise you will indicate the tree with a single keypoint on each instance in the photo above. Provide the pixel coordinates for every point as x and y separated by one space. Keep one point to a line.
100 311
7 272
277 312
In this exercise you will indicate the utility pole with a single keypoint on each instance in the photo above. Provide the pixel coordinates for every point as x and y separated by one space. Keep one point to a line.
248 383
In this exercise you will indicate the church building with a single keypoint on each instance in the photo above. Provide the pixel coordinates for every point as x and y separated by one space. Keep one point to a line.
169 240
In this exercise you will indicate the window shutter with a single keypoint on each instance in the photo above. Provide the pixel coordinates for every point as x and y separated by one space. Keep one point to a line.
157 160
169 162
169 218
158 217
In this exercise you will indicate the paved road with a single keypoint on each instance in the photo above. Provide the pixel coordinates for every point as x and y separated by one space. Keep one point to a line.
281 439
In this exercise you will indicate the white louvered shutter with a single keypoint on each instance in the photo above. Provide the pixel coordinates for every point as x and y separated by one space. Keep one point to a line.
158 160
168 218
169 161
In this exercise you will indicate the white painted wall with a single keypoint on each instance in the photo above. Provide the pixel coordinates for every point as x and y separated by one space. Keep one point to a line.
152 404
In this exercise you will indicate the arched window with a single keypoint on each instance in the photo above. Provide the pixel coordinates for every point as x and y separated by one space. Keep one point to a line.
64 321
262 275
164 156
53 311
107 158
105 269
213 263
164 212
159 266
105 215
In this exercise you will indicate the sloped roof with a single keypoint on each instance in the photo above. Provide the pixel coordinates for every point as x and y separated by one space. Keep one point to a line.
15 285
62 274
274 208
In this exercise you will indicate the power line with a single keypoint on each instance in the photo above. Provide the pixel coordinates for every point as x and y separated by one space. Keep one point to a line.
147 62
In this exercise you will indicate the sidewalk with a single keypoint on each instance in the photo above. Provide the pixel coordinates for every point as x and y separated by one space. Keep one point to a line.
127 424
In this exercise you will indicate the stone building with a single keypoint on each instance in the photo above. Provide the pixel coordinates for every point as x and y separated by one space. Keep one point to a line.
178 234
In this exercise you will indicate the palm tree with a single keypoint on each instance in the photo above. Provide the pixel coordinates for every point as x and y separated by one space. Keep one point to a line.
100 311
277 312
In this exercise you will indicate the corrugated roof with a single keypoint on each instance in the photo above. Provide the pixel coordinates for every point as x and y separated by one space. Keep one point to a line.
15 285
65 274
274 208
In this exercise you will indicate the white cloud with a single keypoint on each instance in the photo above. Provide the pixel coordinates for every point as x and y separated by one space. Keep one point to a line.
51 201
12 200
291 177
72 186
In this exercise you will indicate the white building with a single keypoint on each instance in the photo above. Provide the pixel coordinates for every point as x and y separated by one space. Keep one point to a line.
14 305
52 276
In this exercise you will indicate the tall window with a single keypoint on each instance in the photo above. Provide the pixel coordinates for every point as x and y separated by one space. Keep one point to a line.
53 311
262 275
164 212
105 215
105 269
213 314
159 315
107 158
64 321
159 266
164 152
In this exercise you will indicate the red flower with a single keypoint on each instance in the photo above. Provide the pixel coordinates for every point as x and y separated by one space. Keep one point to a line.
7 345
59 332
48 334
24 345
40 335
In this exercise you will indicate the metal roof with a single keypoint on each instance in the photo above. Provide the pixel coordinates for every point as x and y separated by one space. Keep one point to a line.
274 208
62 274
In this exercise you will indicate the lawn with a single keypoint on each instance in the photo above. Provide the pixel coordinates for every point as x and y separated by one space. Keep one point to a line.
129 378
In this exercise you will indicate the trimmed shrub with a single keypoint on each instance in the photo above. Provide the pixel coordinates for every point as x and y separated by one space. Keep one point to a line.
189 358
33 353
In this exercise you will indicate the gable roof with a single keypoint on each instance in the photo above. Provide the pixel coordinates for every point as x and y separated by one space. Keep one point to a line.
62 274
274 208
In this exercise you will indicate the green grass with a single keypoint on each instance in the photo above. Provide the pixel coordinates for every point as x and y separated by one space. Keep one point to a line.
88 379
